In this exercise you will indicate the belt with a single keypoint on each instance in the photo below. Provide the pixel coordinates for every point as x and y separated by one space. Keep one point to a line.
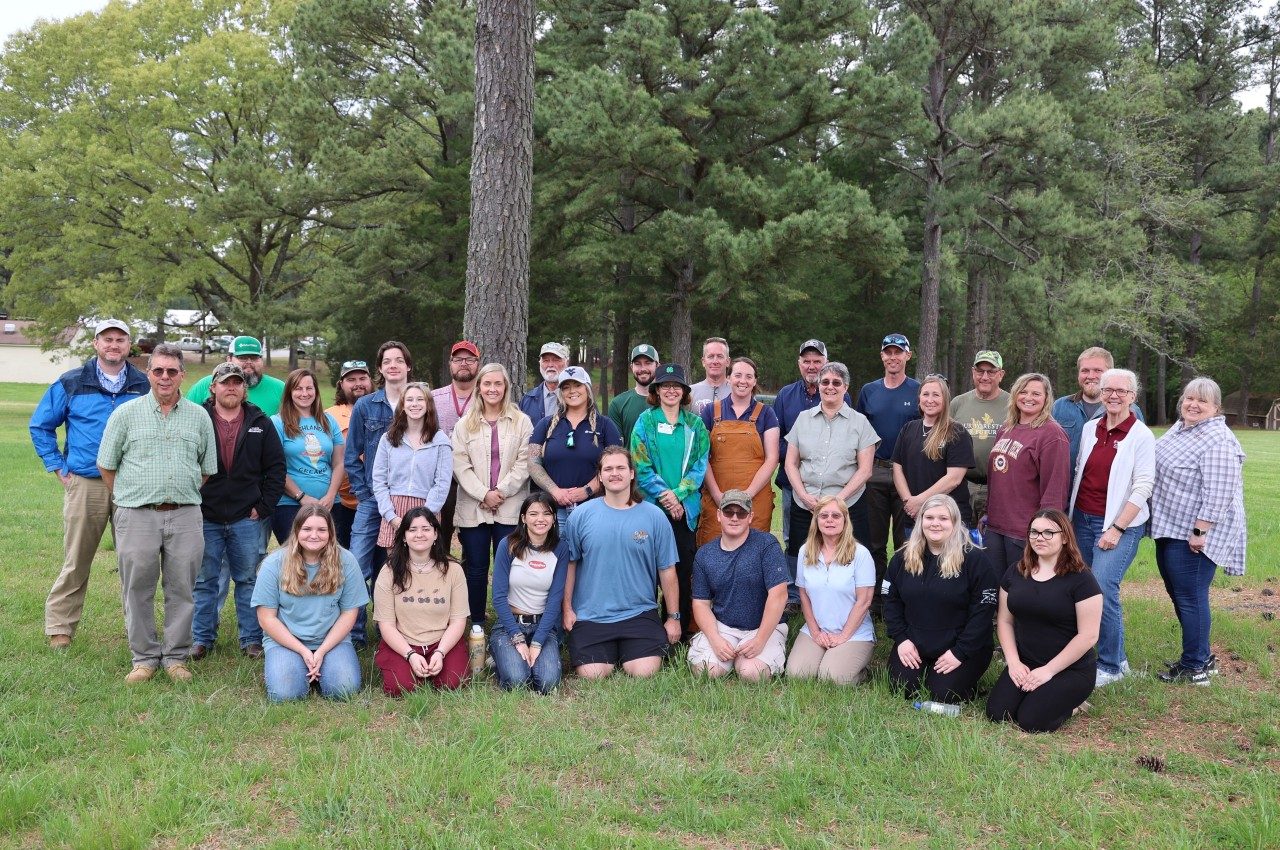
527 619
884 464
162 506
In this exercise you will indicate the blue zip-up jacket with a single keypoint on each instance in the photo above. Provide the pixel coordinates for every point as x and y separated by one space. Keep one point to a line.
370 419
79 402
531 404
1069 412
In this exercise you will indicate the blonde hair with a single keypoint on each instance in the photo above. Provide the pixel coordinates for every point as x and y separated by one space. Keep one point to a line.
951 558
470 421
846 544
1096 352
293 568
1013 416
944 429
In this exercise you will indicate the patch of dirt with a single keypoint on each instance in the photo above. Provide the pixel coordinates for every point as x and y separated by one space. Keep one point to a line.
1236 597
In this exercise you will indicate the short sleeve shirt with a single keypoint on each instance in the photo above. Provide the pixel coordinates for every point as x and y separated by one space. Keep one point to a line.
574 466
833 590
981 418
888 410
625 409
922 472
828 449
1044 614
619 552
158 457
422 611
308 457
737 583
308 617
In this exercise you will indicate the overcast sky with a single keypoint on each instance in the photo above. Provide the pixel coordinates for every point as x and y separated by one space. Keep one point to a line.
16 16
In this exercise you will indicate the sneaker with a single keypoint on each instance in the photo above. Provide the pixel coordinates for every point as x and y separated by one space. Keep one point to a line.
1103 678
197 652
253 650
1179 673
140 673
59 642
178 672
1210 666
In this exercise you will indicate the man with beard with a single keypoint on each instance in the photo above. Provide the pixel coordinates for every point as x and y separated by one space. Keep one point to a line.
626 407
244 490
264 391
715 364
80 402
1071 412
452 400
353 383
540 402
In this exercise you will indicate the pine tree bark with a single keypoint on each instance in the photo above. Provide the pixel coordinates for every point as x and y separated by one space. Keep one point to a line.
496 309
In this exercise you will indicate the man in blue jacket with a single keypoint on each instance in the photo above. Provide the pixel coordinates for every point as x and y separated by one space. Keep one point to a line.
541 402
1072 411
80 402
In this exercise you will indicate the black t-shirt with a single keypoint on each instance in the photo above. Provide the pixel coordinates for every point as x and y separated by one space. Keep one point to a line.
936 613
922 473
1044 614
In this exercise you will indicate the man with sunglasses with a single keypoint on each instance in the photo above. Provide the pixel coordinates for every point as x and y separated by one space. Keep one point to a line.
80 402
739 593
981 411
452 401
263 390
156 454
354 382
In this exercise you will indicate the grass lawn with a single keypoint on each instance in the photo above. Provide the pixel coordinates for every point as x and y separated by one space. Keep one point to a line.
86 761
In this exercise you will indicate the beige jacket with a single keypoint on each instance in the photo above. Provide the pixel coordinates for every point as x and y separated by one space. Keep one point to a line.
471 453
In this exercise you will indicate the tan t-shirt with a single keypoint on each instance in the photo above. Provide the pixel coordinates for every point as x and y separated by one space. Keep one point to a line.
423 610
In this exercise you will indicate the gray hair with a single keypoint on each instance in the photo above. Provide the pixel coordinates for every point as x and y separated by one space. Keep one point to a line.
838 369
1128 376
1204 389
168 349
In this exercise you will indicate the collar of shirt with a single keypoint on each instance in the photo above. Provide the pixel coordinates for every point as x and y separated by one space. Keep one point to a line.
817 411
1117 433
110 384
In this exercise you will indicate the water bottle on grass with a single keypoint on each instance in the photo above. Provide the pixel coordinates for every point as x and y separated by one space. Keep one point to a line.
475 649
943 708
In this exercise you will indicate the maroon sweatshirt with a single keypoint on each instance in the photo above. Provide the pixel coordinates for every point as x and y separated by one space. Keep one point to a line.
1028 469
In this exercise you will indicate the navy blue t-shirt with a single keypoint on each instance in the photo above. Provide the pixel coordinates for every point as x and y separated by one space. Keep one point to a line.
889 410
574 466
737 583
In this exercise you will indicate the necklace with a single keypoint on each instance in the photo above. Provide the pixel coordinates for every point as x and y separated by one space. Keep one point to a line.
421 568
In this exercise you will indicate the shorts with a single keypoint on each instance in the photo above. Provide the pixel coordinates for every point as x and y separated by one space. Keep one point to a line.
617 643
774 654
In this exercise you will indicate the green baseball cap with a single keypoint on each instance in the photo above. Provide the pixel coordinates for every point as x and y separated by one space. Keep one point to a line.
245 346
644 349
992 357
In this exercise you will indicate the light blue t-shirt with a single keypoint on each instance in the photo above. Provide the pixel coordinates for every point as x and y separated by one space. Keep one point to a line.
619 553
308 457
832 590
308 618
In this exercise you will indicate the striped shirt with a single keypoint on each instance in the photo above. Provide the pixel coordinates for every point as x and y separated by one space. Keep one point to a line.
1199 476
157 458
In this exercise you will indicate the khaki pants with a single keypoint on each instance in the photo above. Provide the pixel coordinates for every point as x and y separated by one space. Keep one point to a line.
86 509
844 665
165 548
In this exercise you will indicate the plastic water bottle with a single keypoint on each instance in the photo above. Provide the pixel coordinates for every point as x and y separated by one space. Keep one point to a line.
475 648
943 708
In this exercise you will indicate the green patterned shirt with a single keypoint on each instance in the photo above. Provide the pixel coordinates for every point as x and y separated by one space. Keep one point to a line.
158 458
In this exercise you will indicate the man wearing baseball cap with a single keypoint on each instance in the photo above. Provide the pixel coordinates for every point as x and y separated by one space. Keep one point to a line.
354 382
627 406
889 403
739 592
452 401
264 391
981 411
541 402
80 402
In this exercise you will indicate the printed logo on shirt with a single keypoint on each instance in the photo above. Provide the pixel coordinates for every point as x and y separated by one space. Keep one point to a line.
255 430
1004 452
311 449
989 596
640 536
982 429
537 565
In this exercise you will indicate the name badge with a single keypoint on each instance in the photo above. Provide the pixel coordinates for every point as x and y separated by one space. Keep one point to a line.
666 428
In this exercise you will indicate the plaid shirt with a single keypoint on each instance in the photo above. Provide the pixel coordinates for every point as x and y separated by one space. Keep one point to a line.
1198 476
158 458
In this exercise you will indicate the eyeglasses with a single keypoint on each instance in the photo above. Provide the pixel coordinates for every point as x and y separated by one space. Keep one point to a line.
1115 391
1043 533
163 372
468 360
987 373
734 513
355 364
831 382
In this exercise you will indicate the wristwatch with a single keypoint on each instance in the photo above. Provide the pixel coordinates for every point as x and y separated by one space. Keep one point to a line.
674 615
1198 532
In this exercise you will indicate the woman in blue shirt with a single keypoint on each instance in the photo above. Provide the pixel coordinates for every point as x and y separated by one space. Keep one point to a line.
313 447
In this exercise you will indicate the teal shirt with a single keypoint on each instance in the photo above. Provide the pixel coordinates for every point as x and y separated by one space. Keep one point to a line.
308 457
266 395
672 458
158 458
308 618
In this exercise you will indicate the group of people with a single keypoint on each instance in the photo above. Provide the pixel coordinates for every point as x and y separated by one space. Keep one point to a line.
1004 506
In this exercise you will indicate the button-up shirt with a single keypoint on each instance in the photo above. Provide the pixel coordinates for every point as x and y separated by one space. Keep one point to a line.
158 458
110 384
828 449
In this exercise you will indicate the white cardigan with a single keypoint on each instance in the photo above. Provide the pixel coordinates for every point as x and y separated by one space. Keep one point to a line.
1133 472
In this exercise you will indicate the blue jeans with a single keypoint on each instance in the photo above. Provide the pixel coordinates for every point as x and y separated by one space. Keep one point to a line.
282 521
236 545
364 545
343 516
1109 567
286 673
478 546
512 670
1187 576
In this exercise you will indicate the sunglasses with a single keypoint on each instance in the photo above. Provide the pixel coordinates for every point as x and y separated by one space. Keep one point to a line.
163 372
734 512
831 382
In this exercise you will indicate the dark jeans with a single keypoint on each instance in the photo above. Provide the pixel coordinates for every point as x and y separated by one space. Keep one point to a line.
282 521
1187 576
514 672
343 516
1003 551
479 543
883 505
686 548
234 543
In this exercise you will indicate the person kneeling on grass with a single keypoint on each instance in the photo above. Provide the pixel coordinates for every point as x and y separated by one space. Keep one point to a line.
940 597
306 597
528 593
739 591
420 604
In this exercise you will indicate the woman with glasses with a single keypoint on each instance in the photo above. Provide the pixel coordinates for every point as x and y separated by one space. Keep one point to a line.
835 577
940 597
1050 610
670 447
1029 469
744 451
565 447
932 454
491 465
1114 476
414 464
313 449
1197 519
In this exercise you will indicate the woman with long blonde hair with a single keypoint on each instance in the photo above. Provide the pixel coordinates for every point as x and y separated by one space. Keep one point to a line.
938 607
835 577
932 454
306 596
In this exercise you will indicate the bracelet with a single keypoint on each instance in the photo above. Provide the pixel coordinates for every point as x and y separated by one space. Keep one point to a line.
1118 528
517 639
408 656
535 645
438 651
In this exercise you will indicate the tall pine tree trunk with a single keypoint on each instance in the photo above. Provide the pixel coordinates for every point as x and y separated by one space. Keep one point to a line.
931 247
496 312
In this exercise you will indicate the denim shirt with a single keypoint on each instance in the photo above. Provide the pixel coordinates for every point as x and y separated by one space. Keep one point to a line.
370 419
